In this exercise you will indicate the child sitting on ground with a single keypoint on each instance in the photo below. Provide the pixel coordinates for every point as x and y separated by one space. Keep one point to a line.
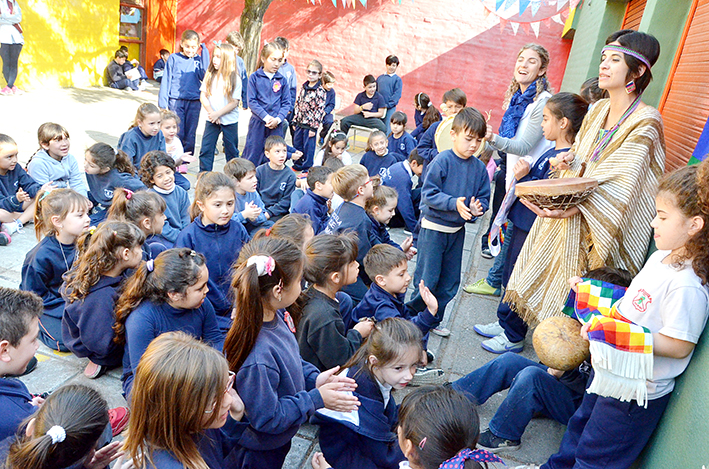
335 147
377 158
354 185
454 100
398 176
248 209
316 201
146 210
276 183
116 76
381 208
401 143
425 115
53 163
159 66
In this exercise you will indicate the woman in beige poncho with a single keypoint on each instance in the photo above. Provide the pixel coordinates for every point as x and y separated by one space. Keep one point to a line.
621 144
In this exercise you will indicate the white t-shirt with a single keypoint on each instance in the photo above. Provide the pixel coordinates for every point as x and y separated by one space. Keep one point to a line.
345 157
671 302
218 99
175 149
9 34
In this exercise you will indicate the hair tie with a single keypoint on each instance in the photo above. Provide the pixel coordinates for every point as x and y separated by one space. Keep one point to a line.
217 43
57 433
268 231
92 230
479 455
43 195
422 443
629 52
150 265
193 253
129 193
264 264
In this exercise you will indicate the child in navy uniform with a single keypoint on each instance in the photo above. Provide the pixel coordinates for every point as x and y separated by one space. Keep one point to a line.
179 89
369 108
389 86
159 66
106 170
288 71
455 191
328 83
454 100
248 209
354 185
315 201
276 182
146 210
377 158
381 208
214 234
91 290
399 177
401 142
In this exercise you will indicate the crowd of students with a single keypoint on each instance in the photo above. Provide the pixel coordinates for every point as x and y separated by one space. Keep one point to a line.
276 295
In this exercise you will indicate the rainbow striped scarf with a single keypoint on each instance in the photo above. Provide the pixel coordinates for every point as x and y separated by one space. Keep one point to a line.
621 352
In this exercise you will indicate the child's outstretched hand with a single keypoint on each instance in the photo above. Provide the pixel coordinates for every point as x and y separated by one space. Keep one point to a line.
187 157
463 209
331 376
573 282
237 405
318 462
428 298
251 211
22 196
335 399
476 208
104 456
408 247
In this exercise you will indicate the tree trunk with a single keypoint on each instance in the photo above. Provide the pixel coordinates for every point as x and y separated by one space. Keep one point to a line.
250 29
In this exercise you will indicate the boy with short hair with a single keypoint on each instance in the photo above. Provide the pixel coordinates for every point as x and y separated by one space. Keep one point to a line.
276 183
390 86
315 202
454 100
369 108
354 185
116 76
248 207
179 89
455 191
19 328
399 177
159 66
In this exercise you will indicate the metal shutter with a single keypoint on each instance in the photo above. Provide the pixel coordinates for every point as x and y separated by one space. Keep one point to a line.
633 14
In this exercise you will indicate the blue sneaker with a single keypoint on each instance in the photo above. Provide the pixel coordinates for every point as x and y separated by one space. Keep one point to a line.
501 344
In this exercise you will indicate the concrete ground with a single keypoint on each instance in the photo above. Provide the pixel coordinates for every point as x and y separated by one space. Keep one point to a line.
102 114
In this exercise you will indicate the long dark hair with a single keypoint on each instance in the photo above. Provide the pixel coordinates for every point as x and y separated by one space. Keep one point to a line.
571 106
105 157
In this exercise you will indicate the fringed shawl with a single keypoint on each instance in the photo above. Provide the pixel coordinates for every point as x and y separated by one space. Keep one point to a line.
613 228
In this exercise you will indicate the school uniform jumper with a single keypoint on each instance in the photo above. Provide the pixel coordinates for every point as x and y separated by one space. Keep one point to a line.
377 101
390 86
179 92
87 325
288 72
228 124
279 394
101 188
275 187
268 95
220 245
42 273
315 206
159 69
64 173
261 221
365 439
401 147
375 164
10 183
322 337
442 228
380 234
307 117
15 405
149 320
176 212
427 148
330 103
399 177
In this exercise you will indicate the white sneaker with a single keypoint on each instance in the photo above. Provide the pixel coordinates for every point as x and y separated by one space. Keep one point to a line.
428 376
528 466
142 86
501 344
489 330
441 331
13 227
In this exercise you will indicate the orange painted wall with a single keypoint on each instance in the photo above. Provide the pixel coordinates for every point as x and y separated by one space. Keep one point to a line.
441 44
160 34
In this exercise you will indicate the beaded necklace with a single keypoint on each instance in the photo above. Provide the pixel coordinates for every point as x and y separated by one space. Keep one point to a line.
606 139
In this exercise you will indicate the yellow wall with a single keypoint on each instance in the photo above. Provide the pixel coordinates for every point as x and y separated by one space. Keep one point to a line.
67 42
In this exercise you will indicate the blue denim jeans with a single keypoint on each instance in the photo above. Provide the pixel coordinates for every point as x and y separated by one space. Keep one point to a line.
494 275
531 390
230 135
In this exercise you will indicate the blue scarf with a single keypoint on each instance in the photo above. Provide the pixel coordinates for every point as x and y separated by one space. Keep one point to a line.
515 111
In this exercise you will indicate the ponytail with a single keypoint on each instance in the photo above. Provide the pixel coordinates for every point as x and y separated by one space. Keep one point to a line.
106 158
133 207
430 116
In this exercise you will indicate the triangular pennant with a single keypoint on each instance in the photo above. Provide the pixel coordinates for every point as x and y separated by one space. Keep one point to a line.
557 19
525 28
523 4
547 22
487 13
334 2
535 6
503 23
498 4
509 3
515 26
535 28
363 2
560 4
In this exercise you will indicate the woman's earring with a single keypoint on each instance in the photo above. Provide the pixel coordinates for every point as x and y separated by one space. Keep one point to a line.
630 86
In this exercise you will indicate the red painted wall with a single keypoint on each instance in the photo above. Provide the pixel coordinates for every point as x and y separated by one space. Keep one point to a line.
441 44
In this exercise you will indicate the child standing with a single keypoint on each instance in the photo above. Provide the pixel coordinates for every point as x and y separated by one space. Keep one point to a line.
214 234
454 101
61 217
53 163
367 438
179 89
106 169
369 108
146 210
316 201
455 191
157 171
401 143
220 95
377 158
308 115
169 126
91 290
280 390
335 147
328 83
399 177
269 101
234 38
248 209
390 86
381 208
324 341
276 183
163 295
288 71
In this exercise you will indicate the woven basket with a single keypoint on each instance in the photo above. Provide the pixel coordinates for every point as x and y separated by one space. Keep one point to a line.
556 194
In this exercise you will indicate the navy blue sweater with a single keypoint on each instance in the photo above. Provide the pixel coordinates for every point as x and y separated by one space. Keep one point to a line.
403 146
87 325
15 405
220 245
380 304
376 165
101 187
183 77
277 387
380 234
352 217
42 272
177 213
275 188
315 206
448 178
330 101
136 144
149 320
10 183
377 101
427 144
398 177
390 87
269 96
373 443
241 202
